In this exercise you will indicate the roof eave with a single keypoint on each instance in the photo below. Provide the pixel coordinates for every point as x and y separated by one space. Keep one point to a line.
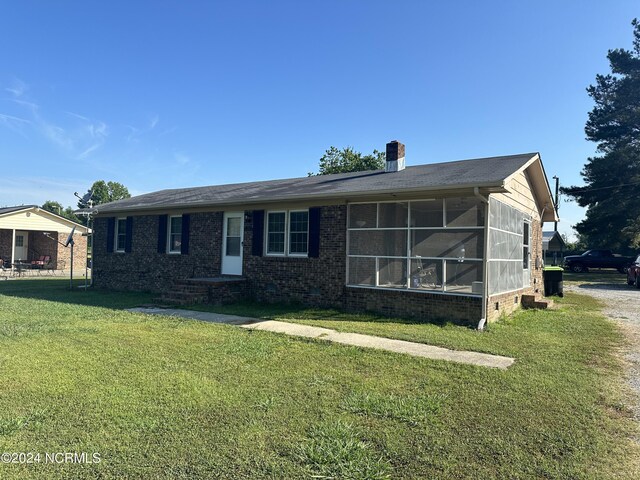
491 187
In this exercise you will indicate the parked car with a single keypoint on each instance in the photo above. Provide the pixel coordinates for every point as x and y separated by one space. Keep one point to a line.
597 259
633 274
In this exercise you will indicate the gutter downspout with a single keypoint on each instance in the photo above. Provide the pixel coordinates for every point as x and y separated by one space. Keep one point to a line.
485 273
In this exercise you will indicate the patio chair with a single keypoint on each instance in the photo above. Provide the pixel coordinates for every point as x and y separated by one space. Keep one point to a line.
426 277
41 261
47 266
50 267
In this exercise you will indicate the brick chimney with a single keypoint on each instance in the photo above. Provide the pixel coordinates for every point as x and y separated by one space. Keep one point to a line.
395 156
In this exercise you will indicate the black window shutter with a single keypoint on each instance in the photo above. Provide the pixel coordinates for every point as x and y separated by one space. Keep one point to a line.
162 233
314 232
186 224
257 240
111 232
128 238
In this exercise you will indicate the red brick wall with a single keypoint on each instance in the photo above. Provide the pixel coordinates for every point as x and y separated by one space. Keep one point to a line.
144 269
63 256
315 281
427 307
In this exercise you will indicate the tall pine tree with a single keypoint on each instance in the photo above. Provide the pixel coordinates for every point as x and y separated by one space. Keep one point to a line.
612 178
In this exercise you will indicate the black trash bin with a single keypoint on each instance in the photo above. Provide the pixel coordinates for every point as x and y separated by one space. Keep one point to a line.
553 281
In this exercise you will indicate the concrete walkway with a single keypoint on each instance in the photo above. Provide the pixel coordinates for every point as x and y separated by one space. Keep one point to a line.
356 339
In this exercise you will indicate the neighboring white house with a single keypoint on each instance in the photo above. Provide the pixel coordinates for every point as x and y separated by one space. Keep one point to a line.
28 232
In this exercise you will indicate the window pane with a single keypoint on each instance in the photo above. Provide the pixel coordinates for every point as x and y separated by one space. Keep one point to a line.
388 243
233 246
276 222
426 274
426 213
463 277
121 233
233 227
176 224
393 215
175 242
275 236
363 216
298 243
362 271
276 242
464 212
447 243
299 221
393 272
298 228
19 241
175 234
525 245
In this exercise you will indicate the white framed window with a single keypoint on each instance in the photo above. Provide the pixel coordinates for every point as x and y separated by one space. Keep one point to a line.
526 240
287 233
276 233
299 232
121 234
175 234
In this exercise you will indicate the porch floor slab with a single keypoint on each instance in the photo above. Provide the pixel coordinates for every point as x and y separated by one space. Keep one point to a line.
220 279
355 339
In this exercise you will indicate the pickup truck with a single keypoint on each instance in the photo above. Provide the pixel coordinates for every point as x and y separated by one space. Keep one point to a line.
597 259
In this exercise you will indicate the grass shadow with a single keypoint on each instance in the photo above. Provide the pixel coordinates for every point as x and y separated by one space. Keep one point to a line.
297 311
59 290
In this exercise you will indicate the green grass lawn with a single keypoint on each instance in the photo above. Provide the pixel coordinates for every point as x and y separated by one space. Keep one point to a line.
168 398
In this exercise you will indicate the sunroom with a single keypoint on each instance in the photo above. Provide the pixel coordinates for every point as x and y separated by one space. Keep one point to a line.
438 245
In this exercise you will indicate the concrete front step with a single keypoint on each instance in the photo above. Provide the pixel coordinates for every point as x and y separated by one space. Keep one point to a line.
221 289
531 301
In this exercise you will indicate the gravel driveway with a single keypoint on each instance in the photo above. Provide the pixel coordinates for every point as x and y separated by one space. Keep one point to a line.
622 307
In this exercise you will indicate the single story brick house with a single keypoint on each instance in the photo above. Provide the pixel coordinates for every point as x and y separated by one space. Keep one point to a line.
458 241
28 232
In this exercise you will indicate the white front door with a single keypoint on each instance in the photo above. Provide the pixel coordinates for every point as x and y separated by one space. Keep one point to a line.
22 246
232 236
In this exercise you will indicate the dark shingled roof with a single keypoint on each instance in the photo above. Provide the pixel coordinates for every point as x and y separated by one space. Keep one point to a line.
4 210
481 172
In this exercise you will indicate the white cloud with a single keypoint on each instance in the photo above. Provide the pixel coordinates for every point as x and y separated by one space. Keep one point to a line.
18 88
78 136
181 158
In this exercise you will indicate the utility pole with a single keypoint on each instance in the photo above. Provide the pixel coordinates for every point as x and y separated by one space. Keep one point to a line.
555 202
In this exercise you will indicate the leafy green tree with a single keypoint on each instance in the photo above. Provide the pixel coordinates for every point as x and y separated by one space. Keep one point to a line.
57 208
105 192
612 178
348 160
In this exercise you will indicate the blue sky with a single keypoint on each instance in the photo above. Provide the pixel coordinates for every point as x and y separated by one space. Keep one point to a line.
172 94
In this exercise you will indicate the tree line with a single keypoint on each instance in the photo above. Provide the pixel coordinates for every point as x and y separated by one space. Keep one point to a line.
100 192
612 177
